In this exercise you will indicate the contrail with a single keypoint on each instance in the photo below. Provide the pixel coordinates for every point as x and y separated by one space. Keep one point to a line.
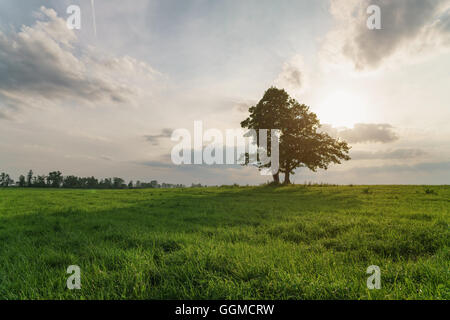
93 17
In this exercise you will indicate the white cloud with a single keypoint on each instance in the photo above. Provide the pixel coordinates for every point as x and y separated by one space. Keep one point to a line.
45 65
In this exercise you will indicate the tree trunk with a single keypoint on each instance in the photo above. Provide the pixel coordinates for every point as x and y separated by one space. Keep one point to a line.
286 178
276 178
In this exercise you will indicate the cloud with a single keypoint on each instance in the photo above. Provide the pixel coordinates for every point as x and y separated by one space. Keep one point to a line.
408 27
390 154
46 63
154 139
4 115
293 75
419 167
363 133
242 107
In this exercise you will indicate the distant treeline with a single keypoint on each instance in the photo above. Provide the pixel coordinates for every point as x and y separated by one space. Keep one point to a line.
55 179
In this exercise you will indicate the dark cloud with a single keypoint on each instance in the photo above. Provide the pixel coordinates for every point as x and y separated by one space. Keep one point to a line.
154 139
157 164
292 76
391 154
443 25
403 22
364 133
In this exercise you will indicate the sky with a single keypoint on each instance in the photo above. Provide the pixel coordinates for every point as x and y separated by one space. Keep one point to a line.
103 100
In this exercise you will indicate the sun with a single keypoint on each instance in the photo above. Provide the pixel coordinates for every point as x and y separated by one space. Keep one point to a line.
342 108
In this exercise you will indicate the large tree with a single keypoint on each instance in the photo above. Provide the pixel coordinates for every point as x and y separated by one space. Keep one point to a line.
302 144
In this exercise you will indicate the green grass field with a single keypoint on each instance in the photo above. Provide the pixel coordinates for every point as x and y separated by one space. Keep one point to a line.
296 242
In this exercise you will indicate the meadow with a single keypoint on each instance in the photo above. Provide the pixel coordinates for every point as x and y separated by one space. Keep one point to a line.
294 242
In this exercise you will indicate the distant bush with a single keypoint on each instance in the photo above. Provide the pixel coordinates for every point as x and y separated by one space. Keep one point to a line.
234 185
430 191
319 184
270 184
366 191
305 184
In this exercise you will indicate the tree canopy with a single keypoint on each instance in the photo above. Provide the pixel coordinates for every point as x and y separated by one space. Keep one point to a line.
301 143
